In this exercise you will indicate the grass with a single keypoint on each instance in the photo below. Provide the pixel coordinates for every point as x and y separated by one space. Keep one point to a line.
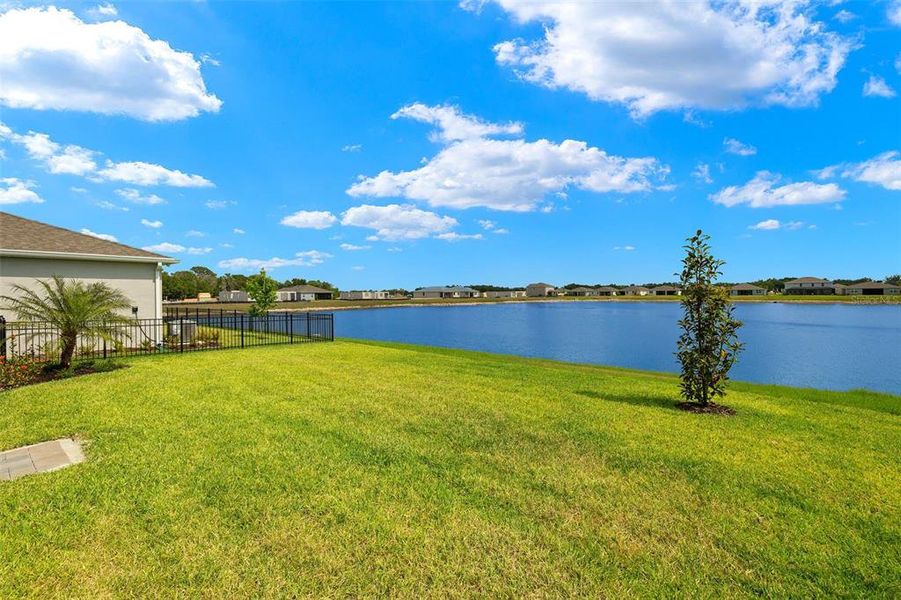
376 469
348 304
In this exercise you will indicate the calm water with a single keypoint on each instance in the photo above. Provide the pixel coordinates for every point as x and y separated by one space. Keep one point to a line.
830 346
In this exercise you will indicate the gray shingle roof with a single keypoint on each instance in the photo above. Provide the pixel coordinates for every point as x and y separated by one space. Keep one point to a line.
20 235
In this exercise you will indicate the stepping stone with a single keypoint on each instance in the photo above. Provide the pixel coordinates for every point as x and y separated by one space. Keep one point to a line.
39 458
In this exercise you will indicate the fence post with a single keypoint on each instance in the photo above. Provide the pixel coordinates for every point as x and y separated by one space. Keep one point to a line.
2 337
104 347
290 318
309 335
181 335
242 330
331 328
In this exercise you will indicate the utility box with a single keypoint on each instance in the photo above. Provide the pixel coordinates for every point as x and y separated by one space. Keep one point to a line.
183 329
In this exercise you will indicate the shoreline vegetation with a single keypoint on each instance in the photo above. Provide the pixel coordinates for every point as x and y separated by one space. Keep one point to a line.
376 469
317 305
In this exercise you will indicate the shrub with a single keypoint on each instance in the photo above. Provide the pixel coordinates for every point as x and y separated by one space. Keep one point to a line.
19 371
206 335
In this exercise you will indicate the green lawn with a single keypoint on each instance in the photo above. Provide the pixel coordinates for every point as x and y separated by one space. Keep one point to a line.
375 469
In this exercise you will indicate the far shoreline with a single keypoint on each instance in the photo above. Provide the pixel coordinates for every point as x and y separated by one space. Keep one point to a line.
336 305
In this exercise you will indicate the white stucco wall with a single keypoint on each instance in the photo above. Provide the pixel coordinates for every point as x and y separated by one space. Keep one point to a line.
139 281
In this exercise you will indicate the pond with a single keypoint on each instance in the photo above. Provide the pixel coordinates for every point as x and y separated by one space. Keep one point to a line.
828 346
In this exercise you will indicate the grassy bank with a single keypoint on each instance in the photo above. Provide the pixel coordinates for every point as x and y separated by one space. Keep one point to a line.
351 304
374 469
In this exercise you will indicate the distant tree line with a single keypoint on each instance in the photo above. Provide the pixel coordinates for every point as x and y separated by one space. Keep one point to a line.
199 279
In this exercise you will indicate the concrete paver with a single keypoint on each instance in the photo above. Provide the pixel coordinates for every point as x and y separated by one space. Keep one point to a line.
39 458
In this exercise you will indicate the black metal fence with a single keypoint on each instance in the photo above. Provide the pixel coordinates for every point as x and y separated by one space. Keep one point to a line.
176 332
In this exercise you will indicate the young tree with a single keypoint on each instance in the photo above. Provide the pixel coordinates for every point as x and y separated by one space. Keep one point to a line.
708 346
73 307
262 290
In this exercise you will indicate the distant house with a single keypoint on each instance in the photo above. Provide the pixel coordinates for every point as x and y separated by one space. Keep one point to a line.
537 290
872 288
455 291
666 290
746 289
606 290
505 294
233 296
364 295
30 250
303 293
581 291
635 290
809 286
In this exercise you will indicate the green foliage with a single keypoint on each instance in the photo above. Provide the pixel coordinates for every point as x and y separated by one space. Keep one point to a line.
206 335
71 306
262 290
893 279
708 346
19 371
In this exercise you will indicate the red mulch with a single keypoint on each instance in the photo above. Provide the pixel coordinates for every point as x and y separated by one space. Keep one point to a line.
711 408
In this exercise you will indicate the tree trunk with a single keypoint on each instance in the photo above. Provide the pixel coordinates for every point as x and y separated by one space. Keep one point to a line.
65 357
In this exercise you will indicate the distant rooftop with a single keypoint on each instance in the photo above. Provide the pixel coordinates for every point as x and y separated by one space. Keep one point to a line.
808 280
453 288
309 289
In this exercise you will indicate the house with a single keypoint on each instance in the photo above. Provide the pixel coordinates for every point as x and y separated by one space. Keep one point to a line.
233 296
809 286
505 294
635 290
666 290
746 289
606 290
454 291
31 250
303 293
538 290
581 291
364 295
872 288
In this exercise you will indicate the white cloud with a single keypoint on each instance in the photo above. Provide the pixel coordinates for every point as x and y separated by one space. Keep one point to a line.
453 236
774 224
102 236
17 191
143 173
844 16
763 192
209 59
396 222
501 231
702 173
151 224
135 197
238 231
876 86
310 219
107 205
677 55
354 248
310 258
487 224
358 268
352 148
195 233
884 170
165 248
226 245
894 12
510 175
78 190
52 60
452 125
734 146
219 204
75 160
103 11
624 248
57 159
193 250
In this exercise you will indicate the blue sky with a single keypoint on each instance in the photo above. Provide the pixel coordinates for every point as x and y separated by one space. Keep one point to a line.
405 144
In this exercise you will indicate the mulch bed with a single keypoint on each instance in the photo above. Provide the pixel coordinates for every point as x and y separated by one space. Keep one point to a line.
711 408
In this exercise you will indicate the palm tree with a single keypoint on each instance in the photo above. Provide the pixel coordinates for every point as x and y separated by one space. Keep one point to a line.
71 306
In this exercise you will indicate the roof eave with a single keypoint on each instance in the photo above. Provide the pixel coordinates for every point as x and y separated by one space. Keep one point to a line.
86 256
